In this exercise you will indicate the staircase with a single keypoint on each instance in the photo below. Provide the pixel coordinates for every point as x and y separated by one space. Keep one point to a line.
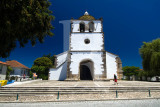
73 90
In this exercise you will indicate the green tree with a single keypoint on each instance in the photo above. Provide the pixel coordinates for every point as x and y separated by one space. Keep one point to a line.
130 70
51 57
22 21
142 73
9 69
150 53
30 74
41 67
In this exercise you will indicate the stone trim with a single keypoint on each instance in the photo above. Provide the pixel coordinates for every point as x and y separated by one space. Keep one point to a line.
103 42
69 73
71 26
55 62
104 65
119 68
74 77
68 65
70 42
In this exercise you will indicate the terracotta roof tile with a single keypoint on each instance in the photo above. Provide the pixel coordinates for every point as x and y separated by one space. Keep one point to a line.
14 63
3 63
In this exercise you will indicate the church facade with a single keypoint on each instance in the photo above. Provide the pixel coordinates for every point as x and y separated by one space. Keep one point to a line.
86 58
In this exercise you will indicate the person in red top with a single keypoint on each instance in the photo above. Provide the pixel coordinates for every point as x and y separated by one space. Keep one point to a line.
115 79
24 76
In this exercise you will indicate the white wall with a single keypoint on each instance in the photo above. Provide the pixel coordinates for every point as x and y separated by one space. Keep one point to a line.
3 73
75 25
66 33
78 57
111 65
77 41
59 73
19 71
61 58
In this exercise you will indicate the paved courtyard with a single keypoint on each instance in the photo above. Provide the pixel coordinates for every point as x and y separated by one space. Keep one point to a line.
112 103
51 83
41 84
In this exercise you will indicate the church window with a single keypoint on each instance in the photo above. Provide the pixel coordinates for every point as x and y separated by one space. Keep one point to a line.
91 27
82 27
86 41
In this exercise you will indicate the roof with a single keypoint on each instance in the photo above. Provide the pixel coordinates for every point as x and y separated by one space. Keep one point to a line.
112 53
3 63
14 63
86 16
61 53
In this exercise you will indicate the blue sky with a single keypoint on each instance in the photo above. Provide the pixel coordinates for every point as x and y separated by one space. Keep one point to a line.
126 25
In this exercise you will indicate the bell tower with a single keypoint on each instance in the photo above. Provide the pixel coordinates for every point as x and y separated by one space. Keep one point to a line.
87 57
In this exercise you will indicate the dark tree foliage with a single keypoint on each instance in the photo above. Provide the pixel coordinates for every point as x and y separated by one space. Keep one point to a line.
51 57
130 70
22 21
150 53
9 70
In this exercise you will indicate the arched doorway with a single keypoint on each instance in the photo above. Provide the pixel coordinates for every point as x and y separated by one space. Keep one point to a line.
86 70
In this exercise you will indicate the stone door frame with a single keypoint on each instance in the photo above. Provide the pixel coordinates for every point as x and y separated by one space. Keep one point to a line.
92 71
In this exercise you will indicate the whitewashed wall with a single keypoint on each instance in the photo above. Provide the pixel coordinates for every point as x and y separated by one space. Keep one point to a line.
19 71
66 33
78 57
3 73
59 73
111 65
77 41
61 58
97 25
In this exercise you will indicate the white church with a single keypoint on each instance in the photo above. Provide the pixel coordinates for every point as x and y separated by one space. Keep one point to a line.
86 58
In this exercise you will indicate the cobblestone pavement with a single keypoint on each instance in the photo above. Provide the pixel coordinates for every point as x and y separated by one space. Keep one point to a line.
50 83
112 103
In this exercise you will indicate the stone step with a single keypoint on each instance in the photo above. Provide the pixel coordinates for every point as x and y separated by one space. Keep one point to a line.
68 90
98 92
73 90
80 90
73 87
88 88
